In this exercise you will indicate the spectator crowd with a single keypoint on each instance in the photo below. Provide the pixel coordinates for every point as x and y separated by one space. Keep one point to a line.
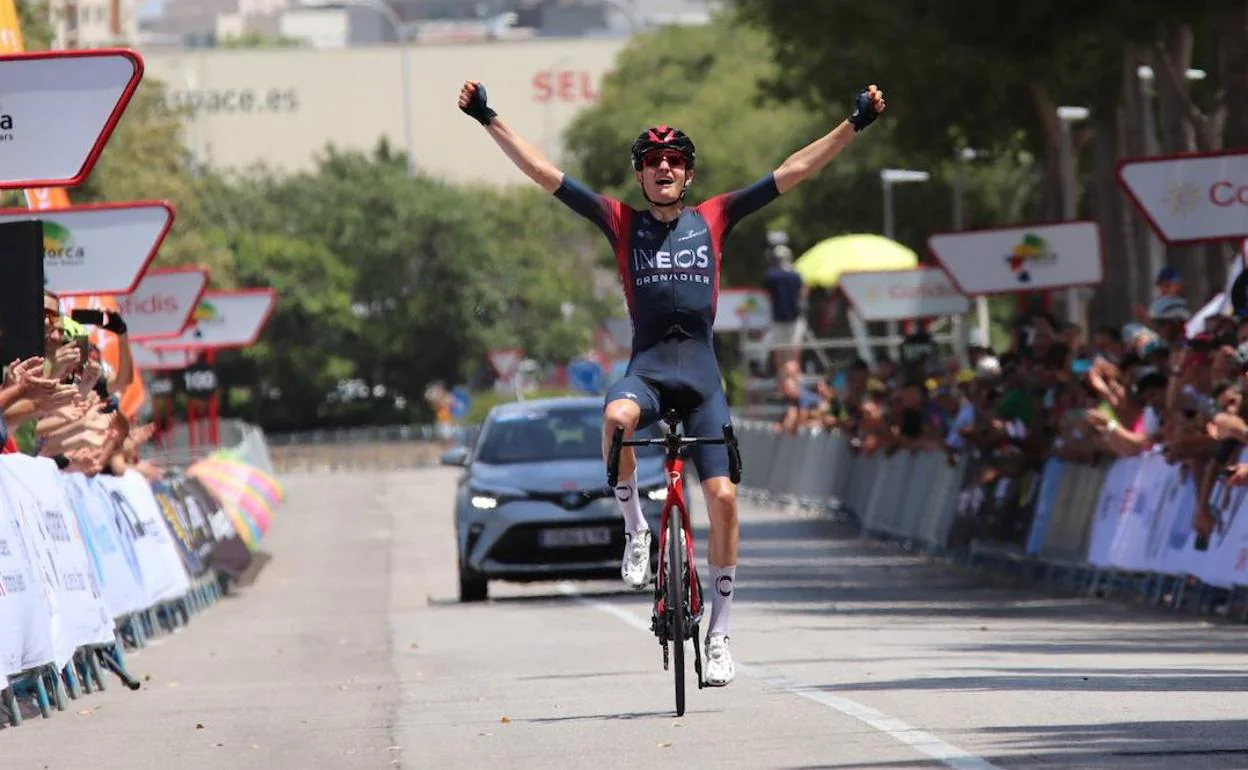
64 405
1153 385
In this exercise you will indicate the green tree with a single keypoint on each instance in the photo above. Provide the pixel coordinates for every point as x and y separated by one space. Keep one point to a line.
146 159
721 84
35 16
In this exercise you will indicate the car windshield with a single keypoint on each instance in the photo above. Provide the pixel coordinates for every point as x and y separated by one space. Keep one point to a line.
538 434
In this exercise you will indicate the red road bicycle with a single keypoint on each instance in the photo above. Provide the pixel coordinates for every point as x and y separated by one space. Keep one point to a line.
677 589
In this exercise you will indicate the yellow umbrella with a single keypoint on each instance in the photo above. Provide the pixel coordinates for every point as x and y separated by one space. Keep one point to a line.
824 263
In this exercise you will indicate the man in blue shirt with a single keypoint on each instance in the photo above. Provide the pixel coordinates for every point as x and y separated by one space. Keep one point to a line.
668 258
784 286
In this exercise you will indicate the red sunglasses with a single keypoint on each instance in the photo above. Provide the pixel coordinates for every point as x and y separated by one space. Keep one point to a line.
674 159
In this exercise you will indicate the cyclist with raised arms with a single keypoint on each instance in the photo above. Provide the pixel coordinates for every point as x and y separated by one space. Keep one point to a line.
668 259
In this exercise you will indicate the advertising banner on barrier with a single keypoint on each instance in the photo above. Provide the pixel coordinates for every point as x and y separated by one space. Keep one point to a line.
1190 198
900 295
57 111
98 249
1010 260
161 305
85 616
25 617
225 319
116 564
740 309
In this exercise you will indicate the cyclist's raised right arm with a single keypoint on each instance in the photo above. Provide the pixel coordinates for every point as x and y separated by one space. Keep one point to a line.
530 160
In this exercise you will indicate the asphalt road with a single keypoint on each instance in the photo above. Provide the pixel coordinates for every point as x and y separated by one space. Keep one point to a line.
351 651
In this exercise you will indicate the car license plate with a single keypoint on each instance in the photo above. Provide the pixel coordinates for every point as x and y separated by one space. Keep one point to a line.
573 537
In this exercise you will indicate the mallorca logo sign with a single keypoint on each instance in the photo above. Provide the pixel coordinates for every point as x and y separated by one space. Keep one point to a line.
1031 257
60 246
1032 251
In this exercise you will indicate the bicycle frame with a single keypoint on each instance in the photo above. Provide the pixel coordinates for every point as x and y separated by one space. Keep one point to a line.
676 499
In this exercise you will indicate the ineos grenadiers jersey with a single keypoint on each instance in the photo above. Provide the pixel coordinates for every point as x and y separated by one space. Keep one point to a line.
670 274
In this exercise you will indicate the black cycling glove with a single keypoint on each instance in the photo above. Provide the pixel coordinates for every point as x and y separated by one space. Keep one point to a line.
864 112
477 107
115 324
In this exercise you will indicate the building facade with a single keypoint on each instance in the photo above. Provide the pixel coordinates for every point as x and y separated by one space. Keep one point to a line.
283 107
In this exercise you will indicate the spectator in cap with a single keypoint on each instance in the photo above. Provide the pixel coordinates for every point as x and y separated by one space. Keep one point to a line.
1168 316
1169 283
788 293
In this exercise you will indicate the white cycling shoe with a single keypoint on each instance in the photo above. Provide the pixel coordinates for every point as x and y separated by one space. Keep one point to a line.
718 670
635 569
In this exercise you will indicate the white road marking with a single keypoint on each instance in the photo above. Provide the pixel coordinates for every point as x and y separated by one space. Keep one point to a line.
919 740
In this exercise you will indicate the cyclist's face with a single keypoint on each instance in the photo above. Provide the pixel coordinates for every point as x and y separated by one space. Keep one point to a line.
664 176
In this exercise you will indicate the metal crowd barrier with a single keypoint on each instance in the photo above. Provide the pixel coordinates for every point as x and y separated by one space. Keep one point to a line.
922 501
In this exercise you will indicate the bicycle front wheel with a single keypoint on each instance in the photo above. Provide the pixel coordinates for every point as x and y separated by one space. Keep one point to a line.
676 603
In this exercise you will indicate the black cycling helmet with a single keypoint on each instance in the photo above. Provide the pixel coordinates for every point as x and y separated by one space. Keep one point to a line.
659 138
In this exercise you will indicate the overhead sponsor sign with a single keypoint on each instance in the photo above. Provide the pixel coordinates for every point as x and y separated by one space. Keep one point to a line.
98 249
1016 259
740 309
225 319
1190 198
161 305
899 295
57 111
159 360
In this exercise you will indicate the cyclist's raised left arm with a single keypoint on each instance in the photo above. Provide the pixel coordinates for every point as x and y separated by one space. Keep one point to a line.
812 158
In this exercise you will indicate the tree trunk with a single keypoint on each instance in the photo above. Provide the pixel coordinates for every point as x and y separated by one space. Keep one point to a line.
1112 302
1051 189
1132 143
1232 32
1183 129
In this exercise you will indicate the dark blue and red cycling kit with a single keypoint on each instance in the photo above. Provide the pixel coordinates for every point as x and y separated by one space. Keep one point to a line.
670 273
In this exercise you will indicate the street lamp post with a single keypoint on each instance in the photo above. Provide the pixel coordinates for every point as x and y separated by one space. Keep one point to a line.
961 157
1146 76
890 177
1068 115
405 70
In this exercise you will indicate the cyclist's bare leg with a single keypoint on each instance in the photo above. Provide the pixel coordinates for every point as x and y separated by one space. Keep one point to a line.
622 413
635 568
721 503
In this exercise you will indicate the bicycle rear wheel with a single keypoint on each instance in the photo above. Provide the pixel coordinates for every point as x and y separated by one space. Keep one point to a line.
676 603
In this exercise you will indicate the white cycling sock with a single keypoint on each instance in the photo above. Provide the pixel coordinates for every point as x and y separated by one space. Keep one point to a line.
723 580
630 505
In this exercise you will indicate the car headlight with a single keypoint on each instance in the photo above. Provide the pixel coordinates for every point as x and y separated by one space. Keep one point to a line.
658 494
484 502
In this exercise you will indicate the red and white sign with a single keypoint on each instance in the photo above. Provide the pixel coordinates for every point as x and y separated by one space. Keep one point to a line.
162 305
102 248
151 359
572 86
1010 260
505 362
57 111
1191 198
901 295
225 319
